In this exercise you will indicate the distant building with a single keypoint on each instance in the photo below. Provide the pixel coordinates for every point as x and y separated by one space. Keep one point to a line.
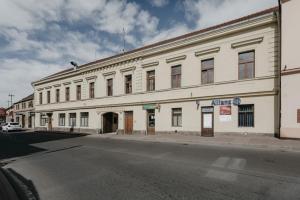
24 112
2 115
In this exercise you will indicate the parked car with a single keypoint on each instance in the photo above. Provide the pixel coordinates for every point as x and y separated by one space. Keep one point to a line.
11 126
1 124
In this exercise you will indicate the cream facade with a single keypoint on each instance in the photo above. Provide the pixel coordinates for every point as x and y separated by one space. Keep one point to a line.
227 103
23 112
290 70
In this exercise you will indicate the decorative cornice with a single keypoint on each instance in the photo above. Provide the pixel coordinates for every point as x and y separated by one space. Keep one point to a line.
78 80
128 69
177 58
40 89
151 64
207 51
91 78
57 85
247 42
67 83
109 73
49 87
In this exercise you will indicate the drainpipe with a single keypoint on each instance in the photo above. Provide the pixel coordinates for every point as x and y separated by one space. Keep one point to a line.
279 19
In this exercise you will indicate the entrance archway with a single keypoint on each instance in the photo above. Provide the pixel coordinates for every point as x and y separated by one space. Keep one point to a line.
110 122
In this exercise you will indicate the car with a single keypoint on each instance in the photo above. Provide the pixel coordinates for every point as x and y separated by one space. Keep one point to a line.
1 124
11 126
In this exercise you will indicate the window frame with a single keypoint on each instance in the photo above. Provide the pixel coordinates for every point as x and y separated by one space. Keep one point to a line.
245 64
150 77
78 92
41 98
70 121
207 69
128 90
92 90
174 114
109 87
48 97
84 120
62 122
177 76
253 113
67 94
57 95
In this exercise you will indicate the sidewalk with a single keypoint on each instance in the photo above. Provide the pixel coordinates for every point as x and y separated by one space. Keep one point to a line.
232 140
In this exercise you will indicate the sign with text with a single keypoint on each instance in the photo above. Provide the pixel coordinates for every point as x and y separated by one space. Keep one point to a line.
225 110
218 102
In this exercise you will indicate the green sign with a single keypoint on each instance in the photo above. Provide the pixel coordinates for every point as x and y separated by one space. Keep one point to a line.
149 106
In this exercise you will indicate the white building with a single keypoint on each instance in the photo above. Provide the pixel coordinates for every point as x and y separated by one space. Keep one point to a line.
223 79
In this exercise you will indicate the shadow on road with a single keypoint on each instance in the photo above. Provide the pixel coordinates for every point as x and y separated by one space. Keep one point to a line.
19 143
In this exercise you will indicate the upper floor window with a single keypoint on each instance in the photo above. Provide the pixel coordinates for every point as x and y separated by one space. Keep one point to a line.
23 105
57 95
67 94
151 80
30 104
246 65
48 96
128 84
78 92
41 98
207 71
109 87
176 76
92 90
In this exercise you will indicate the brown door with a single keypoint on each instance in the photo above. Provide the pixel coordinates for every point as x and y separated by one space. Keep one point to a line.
207 121
128 122
151 122
30 122
49 122
23 121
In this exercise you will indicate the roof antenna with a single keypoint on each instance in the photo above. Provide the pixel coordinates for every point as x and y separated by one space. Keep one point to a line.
123 40
74 64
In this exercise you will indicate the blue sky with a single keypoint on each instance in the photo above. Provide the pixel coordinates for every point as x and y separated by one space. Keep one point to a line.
38 37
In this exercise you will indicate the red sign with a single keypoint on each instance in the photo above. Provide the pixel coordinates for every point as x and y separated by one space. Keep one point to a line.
225 110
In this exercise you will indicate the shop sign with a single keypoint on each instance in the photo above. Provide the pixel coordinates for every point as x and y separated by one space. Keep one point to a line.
207 109
225 110
151 106
225 118
218 102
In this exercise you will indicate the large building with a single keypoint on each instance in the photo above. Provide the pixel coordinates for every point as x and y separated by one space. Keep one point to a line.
23 112
222 79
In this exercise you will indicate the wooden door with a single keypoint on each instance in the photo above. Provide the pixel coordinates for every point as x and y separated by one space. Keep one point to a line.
23 121
50 122
128 122
207 121
151 122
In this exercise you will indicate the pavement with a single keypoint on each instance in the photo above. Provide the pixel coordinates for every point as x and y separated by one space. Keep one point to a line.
95 167
263 141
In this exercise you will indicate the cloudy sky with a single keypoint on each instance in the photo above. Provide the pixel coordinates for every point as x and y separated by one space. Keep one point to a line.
40 37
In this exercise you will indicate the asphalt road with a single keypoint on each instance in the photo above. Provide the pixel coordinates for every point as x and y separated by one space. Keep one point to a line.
84 167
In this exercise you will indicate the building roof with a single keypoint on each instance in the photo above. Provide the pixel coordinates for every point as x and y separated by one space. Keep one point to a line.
28 98
257 14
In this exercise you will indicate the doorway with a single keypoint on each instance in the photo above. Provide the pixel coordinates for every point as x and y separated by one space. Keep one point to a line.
128 122
49 115
110 122
207 121
151 122
23 121
29 122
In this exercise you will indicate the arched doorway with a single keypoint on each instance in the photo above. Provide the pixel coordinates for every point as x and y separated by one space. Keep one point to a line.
110 122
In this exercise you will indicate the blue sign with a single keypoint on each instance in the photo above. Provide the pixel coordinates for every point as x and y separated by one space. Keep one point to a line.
218 102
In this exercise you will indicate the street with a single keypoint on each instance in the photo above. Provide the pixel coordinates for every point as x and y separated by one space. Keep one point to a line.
76 167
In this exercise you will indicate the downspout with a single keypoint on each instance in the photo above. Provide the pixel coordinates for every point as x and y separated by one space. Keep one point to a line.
279 19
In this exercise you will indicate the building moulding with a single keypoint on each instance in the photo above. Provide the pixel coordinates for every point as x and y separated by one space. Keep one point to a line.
151 64
247 42
109 73
207 51
67 83
177 58
91 78
127 69
78 81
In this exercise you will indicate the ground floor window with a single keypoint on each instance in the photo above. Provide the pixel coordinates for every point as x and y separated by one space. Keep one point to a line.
61 119
176 117
84 119
246 115
43 120
72 119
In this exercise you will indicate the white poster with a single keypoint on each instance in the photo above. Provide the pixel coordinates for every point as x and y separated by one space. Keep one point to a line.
225 118
207 120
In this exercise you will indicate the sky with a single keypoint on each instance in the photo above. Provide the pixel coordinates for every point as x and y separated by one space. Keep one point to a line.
41 37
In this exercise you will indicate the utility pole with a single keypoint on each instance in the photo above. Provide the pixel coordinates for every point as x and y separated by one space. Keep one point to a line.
11 99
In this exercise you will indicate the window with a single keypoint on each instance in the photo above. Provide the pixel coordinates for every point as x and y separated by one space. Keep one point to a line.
41 98
57 96
246 115
30 104
207 71
298 116
128 84
43 120
23 105
84 119
151 80
78 92
48 97
67 94
61 119
92 90
72 119
109 87
176 76
176 117
246 65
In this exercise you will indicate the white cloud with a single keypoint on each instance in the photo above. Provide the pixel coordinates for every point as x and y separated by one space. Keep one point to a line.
159 3
206 13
